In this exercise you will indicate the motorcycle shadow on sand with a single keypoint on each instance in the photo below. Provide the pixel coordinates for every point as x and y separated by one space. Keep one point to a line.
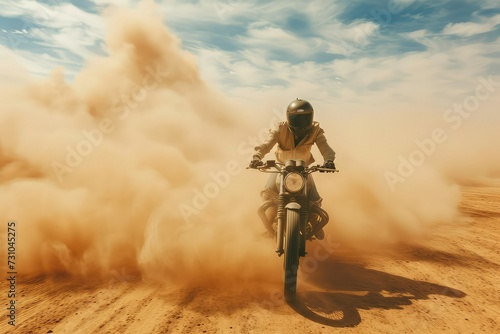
337 291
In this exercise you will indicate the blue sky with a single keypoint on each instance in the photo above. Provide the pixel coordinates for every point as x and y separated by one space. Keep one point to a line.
328 50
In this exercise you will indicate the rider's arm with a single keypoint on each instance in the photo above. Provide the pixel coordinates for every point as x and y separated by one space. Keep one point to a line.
261 150
325 149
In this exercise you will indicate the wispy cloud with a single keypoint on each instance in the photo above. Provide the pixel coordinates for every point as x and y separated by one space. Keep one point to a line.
330 50
55 34
467 29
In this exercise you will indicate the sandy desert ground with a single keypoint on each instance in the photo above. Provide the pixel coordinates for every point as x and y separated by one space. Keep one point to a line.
448 284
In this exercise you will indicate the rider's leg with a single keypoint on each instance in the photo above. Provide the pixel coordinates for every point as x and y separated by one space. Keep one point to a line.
313 191
316 200
270 191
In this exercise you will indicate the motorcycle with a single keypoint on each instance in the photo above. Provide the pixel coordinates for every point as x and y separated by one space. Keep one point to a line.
297 219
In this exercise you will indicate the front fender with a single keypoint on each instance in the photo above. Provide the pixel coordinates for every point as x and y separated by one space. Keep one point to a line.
293 206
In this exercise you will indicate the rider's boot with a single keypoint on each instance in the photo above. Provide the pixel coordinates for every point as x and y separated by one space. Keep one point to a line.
320 235
315 220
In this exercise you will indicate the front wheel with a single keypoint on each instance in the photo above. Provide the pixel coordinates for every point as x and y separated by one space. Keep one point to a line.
292 243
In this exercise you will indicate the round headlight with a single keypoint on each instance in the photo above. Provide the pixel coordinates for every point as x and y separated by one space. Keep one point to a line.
294 182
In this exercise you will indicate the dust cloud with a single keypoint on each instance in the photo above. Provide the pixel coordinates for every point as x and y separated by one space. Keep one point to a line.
402 169
137 167
93 172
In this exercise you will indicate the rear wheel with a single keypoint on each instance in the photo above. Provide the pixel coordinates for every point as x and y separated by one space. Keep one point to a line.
292 244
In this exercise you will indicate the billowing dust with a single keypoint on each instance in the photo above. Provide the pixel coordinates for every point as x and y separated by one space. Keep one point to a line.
138 166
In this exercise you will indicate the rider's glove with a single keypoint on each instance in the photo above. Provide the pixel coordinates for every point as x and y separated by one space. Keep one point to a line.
329 164
256 162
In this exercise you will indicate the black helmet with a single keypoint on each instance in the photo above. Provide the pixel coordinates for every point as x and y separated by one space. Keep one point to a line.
299 115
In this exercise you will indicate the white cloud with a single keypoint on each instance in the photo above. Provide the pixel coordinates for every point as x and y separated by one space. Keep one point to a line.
62 28
347 39
267 39
123 3
15 31
467 29
441 73
432 42
208 11
29 8
40 65
47 18
438 77
74 40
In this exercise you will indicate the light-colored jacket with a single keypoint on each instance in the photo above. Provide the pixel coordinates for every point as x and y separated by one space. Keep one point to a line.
286 149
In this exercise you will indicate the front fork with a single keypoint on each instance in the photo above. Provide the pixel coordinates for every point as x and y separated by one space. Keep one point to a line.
280 231
300 205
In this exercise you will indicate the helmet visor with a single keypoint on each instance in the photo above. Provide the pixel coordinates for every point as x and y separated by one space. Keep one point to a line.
300 120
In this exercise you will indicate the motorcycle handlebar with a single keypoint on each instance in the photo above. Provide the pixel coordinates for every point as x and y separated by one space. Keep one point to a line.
279 167
322 169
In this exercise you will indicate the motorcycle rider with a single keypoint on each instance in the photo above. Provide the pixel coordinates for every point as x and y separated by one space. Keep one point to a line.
295 138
